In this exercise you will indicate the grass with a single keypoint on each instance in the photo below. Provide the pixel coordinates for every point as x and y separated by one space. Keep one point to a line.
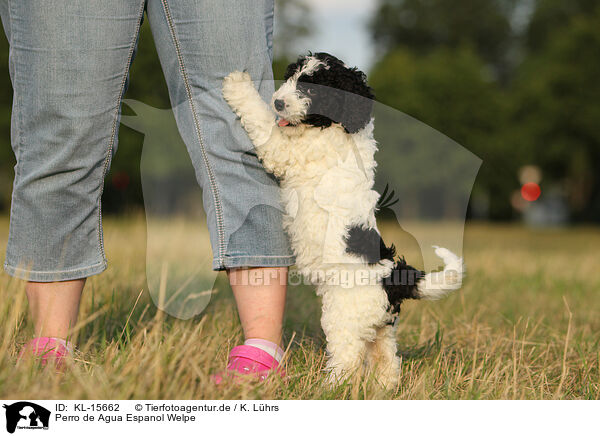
525 326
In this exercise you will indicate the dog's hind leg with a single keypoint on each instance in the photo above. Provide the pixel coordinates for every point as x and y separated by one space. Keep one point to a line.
346 353
347 334
382 357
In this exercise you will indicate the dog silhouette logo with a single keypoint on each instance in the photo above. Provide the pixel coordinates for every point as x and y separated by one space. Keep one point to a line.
26 415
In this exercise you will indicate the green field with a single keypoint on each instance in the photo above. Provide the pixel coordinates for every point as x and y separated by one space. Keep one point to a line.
526 325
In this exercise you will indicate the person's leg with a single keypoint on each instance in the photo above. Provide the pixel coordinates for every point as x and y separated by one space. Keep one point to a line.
260 297
54 307
199 42
68 66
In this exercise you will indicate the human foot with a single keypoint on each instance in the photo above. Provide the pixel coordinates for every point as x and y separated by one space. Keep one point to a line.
47 350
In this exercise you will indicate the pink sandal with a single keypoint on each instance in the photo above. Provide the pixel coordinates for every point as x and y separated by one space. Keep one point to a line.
47 350
251 361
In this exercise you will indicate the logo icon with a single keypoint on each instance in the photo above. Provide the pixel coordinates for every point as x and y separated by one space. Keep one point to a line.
26 415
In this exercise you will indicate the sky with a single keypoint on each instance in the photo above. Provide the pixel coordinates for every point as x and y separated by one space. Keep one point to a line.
340 29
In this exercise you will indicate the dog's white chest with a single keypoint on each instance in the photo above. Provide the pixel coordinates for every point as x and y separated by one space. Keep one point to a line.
324 192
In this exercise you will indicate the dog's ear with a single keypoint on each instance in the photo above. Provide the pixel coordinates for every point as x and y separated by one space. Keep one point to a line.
290 70
358 101
356 113
294 66
345 96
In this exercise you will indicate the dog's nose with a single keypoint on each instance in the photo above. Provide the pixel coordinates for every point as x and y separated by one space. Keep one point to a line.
279 105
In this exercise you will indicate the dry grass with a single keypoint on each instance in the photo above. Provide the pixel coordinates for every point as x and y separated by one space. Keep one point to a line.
525 326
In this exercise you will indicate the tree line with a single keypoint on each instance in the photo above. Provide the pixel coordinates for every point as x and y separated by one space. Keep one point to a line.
515 82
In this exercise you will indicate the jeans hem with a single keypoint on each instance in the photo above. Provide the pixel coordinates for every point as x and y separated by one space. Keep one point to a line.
55 276
253 261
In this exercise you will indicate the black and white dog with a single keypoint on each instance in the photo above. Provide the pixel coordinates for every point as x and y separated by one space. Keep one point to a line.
317 138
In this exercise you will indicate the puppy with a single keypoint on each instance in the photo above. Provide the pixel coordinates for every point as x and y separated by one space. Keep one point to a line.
317 139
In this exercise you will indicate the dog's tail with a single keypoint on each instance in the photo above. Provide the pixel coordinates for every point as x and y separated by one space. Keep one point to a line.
406 282
436 285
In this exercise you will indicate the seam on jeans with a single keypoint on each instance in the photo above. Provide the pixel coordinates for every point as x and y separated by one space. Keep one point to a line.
10 30
211 175
16 95
17 99
269 33
114 129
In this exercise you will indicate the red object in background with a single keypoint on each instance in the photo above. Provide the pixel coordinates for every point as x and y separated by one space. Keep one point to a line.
531 191
120 181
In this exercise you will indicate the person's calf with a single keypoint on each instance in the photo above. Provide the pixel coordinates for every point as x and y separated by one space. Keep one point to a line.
54 307
260 296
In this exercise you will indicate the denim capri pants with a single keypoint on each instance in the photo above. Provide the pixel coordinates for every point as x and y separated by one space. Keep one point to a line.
69 65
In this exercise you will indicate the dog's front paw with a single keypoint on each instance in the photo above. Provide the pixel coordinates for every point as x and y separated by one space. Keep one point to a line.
236 77
235 81
236 87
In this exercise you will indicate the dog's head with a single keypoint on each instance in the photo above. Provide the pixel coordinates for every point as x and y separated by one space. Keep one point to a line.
319 90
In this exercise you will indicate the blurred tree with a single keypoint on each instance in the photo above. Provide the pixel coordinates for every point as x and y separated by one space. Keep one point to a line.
542 111
7 159
549 16
556 109
424 25
451 91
